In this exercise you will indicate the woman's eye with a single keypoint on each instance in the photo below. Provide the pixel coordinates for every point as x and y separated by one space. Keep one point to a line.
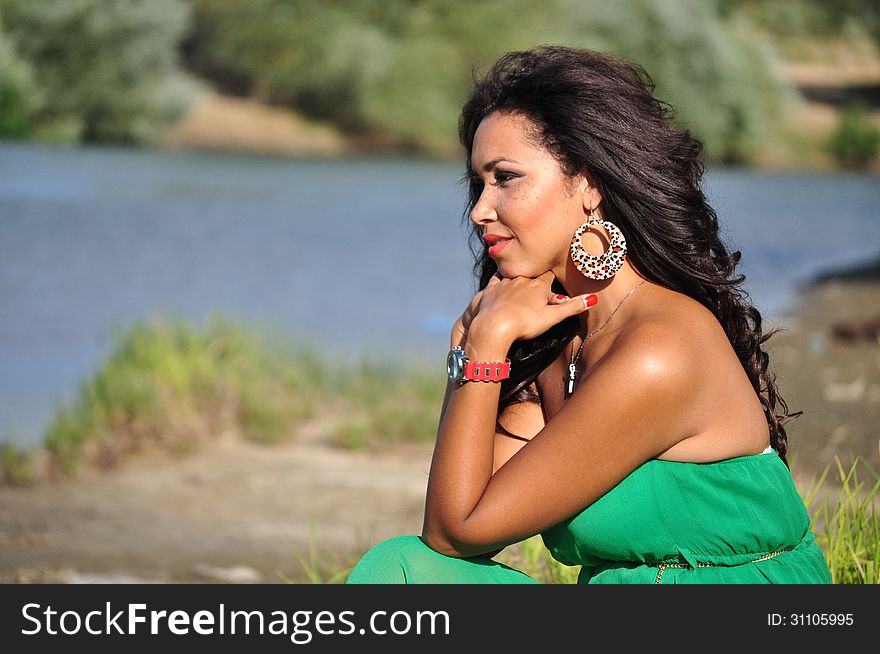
503 177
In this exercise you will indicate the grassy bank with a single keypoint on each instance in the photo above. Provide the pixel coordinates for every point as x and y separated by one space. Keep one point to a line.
846 520
172 386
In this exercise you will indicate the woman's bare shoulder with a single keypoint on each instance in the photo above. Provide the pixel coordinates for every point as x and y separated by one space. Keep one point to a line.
674 341
685 348
668 319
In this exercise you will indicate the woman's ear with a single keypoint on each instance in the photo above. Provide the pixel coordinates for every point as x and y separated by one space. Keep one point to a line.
590 194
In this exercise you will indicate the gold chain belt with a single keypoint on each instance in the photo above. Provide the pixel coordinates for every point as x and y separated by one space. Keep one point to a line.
661 568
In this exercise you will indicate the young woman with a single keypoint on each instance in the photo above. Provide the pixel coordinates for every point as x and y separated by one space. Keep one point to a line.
608 389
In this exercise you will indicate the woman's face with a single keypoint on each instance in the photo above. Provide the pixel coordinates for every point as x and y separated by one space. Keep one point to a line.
527 207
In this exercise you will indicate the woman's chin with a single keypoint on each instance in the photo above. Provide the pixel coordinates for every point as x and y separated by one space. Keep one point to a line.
510 270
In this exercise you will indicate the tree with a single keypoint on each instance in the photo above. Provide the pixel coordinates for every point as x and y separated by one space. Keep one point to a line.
102 65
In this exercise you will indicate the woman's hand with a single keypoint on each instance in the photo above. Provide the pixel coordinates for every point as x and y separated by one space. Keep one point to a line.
514 309
461 326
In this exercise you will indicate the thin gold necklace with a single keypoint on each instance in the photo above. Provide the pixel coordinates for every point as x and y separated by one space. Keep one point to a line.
572 367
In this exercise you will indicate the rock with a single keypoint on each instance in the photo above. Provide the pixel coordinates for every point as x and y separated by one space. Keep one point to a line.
75 577
838 392
852 331
238 574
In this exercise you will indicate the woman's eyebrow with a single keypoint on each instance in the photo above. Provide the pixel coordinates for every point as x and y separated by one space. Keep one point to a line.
489 165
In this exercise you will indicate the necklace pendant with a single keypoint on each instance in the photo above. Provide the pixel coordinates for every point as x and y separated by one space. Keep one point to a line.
571 372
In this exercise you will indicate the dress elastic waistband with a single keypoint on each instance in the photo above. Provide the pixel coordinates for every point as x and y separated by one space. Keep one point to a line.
662 567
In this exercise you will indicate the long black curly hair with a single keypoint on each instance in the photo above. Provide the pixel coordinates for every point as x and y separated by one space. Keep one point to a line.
597 113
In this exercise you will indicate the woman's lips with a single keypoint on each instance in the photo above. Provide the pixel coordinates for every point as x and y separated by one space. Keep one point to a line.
496 246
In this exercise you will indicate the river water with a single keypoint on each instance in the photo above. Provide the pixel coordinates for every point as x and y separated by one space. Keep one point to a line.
359 255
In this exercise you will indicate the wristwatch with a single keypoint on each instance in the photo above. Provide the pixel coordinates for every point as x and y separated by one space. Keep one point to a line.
460 369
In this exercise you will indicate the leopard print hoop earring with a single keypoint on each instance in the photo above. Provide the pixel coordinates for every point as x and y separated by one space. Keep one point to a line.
606 264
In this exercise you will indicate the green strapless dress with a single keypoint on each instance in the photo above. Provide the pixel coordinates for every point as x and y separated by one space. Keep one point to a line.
739 521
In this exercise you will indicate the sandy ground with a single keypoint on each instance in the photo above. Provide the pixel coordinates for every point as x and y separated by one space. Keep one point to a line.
834 381
237 512
224 123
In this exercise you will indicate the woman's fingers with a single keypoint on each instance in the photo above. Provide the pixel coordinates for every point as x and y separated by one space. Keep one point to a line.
527 306
555 311
580 301
562 306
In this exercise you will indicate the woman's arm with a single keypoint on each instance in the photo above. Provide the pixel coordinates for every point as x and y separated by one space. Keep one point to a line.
630 407
522 420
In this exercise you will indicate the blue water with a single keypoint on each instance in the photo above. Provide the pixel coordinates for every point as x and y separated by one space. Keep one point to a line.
359 255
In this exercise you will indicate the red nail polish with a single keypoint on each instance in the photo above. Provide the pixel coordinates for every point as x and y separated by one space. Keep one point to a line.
590 300
561 297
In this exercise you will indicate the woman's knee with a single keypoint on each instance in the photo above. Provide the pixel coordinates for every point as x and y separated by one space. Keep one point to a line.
389 560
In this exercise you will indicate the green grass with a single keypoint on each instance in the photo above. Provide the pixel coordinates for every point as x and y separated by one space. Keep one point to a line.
388 405
175 385
530 556
16 465
317 567
846 521
855 142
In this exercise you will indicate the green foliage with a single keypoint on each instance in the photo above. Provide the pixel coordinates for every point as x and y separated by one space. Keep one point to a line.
396 73
387 405
19 96
533 558
391 73
856 140
16 466
318 567
173 385
104 68
716 74
416 98
810 18
847 523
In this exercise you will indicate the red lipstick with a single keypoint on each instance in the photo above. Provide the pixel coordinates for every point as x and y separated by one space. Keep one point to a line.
496 243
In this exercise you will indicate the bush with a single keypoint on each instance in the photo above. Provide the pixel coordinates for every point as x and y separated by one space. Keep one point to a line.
856 140
396 73
19 95
716 74
386 405
103 65
172 385
16 466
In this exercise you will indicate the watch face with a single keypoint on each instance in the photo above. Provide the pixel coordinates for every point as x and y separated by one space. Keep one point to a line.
455 364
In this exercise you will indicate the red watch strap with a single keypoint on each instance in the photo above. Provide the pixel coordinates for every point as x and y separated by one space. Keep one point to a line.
487 370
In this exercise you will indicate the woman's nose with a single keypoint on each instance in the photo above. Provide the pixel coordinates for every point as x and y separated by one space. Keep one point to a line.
483 211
